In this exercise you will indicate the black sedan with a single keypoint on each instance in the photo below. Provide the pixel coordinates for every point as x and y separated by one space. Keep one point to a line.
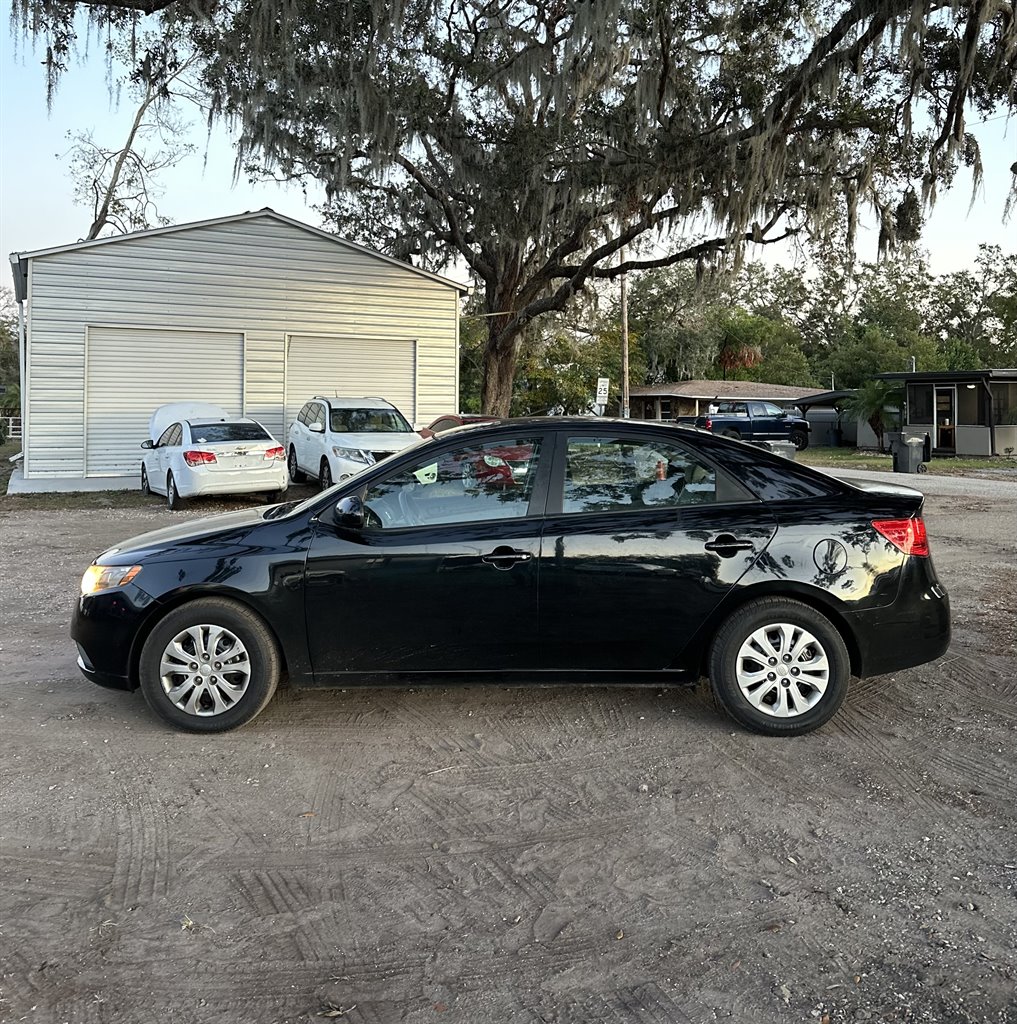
601 551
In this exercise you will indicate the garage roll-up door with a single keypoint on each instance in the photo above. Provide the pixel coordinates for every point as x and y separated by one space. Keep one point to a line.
130 371
351 368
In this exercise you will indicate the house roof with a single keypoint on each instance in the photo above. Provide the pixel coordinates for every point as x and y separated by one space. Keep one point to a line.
724 390
951 376
19 260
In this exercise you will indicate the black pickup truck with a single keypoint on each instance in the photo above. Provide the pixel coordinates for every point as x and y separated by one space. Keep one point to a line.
753 421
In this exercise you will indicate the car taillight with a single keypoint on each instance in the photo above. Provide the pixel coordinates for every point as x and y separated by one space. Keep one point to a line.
196 458
276 453
709 423
908 535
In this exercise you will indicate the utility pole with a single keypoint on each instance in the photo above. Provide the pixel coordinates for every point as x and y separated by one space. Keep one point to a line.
625 340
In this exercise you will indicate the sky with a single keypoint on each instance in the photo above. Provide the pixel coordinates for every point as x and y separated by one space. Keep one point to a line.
37 209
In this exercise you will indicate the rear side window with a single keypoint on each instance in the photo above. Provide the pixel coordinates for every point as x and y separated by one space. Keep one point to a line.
771 478
211 433
616 474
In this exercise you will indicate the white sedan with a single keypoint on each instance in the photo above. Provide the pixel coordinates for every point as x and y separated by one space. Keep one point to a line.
197 449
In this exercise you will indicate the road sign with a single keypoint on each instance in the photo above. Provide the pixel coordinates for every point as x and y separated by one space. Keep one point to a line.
603 386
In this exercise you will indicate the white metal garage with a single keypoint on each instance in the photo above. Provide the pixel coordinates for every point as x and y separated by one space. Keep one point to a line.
130 371
350 368
256 313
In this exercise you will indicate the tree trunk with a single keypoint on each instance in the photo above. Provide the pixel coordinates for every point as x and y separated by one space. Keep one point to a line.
499 375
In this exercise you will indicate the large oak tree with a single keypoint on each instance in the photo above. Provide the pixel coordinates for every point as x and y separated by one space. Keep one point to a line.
550 144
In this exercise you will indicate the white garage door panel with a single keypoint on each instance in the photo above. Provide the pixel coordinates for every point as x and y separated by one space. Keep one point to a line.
351 368
130 371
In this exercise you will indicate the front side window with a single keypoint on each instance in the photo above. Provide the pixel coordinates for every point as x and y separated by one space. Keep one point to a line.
316 415
368 421
772 410
610 474
467 485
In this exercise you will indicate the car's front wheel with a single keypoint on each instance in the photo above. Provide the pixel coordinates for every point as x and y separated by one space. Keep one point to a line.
173 499
297 475
325 475
799 439
779 667
209 665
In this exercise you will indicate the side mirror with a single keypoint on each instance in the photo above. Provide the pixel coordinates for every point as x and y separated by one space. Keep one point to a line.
148 443
316 428
349 513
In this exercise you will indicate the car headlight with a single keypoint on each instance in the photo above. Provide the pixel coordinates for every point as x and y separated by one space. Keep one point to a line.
353 455
103 577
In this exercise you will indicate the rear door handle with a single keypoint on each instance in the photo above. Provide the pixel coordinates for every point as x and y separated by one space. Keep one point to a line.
727 544
505 557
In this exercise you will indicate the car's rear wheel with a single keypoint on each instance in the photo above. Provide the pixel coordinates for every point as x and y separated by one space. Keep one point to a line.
173 499
297 475
325 475
733 434
145 487
209 665
799 439
779 667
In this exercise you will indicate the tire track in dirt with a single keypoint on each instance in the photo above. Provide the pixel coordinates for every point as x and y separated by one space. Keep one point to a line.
281 895
864 730
977 675
640 1004
51 874
141 857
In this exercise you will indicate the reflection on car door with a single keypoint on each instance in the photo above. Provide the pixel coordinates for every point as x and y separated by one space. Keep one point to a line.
648 541
444 577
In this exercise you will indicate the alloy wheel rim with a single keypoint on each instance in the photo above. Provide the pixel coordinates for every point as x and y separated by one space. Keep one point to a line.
205 670
782 670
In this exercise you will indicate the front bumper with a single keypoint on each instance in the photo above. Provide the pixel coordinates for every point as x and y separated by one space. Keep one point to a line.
105 627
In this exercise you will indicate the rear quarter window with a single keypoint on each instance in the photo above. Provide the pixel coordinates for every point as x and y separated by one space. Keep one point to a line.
771 478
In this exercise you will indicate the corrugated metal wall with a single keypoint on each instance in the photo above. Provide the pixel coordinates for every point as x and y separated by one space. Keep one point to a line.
260 277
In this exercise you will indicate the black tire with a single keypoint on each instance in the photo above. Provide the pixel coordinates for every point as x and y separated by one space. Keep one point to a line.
262 658
806 706
173 499
799 439
297 475
733 434
274 497
145 487
325 475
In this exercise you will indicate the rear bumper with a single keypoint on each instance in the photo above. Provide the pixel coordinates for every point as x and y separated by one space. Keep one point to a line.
912 631
197 483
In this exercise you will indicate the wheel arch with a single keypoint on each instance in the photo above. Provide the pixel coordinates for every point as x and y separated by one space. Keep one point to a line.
171 604
811 596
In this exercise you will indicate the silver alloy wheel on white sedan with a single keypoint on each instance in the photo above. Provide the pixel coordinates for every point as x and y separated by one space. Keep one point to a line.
205 670
782 670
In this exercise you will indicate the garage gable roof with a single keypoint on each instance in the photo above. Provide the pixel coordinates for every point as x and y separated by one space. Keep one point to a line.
20 265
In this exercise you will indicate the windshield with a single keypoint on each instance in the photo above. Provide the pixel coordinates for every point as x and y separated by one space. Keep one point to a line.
211 433
368 421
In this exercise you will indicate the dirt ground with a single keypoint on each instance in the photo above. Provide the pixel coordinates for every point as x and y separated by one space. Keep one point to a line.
503 855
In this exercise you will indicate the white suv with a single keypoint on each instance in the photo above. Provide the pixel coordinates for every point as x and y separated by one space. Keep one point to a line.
333 438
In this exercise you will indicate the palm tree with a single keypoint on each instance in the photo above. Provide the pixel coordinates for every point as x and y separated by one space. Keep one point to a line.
879 403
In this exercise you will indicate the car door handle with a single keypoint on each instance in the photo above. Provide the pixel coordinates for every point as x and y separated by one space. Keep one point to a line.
506 557
727 544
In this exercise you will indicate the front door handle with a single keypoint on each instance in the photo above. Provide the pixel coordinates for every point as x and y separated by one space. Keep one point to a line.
727 545
505 557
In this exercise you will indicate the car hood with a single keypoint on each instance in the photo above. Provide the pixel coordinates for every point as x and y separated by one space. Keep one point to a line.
145 545
376 442
175 412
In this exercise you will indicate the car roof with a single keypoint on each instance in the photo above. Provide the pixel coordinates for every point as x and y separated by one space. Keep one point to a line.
371 402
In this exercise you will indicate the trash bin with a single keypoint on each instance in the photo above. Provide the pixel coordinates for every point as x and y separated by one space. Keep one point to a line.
908 454
922 437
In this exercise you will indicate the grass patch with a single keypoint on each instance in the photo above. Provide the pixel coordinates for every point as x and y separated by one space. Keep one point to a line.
851 458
